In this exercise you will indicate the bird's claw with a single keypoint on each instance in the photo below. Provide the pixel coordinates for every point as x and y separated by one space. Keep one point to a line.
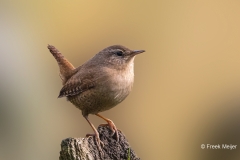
98 142
113 128
97 139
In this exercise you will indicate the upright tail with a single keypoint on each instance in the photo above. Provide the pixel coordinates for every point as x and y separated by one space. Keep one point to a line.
66 68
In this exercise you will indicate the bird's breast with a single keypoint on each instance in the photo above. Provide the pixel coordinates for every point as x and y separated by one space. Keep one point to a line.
119 83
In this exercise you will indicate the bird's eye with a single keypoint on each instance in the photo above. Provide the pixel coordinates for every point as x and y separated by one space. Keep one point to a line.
119 53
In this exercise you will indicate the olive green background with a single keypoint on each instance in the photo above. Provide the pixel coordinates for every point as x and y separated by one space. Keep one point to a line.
187 83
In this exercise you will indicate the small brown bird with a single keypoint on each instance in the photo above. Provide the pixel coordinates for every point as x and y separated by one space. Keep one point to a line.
100 83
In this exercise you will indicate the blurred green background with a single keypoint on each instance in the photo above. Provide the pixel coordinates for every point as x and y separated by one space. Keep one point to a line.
187 83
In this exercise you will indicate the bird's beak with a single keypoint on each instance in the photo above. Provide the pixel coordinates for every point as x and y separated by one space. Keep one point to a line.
135 52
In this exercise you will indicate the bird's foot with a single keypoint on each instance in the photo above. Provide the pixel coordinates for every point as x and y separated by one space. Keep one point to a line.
99 143
97 139
112 127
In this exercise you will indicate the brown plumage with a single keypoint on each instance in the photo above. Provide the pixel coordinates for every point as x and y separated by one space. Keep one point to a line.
100 83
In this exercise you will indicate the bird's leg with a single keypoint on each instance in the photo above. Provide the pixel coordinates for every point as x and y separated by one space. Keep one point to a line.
96 135
111 125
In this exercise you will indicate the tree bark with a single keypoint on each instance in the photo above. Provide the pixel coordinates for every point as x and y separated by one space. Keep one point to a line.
86 148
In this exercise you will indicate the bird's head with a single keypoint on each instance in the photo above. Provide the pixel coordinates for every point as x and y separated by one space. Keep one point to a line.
117 55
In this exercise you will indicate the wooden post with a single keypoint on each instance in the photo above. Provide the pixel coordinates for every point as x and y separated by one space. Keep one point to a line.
86 149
